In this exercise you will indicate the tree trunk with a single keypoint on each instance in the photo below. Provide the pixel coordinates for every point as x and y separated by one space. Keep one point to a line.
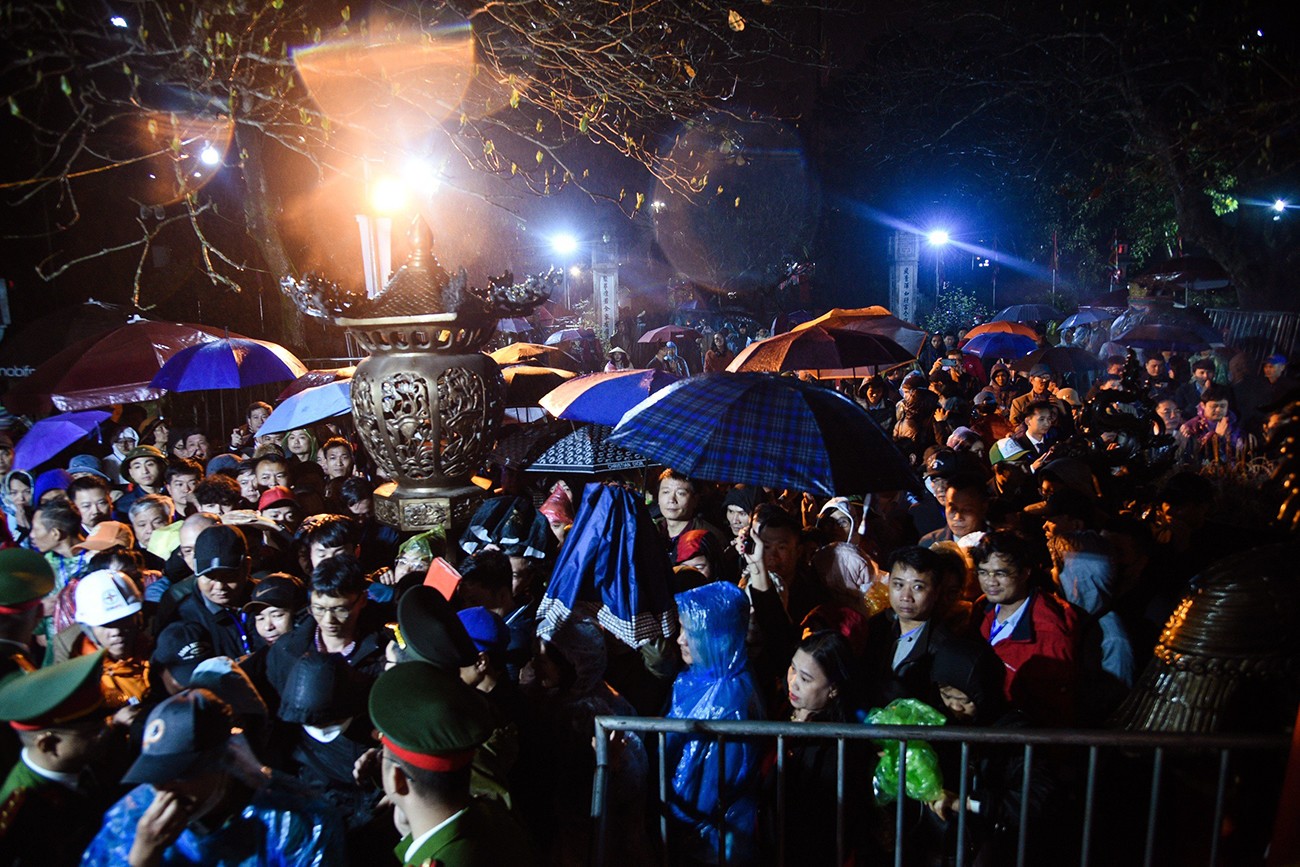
260 207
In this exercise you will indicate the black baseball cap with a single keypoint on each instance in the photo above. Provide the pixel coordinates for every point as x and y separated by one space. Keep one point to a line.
219 548
185 732
277 590
180 649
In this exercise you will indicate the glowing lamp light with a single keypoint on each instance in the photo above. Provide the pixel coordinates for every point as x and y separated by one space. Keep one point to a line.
118 21
575 271
210 156
422 176
1279 205
937 238
389 195
565 245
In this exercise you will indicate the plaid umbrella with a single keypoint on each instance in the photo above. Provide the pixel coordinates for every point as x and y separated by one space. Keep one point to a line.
759 429
992 344
819 348
604 397
1026 313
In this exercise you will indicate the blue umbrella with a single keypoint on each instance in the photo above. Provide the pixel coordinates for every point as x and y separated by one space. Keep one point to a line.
570 334
759 429
995 344
613 567
49 436
604 397
1026 313
1086 316
310 406
230 362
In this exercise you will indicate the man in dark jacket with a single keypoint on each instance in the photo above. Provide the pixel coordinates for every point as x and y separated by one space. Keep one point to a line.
341 622
222 580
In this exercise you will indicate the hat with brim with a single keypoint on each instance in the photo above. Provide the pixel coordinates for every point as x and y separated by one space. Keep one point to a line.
277 590
431 630
186 732
220 549
277 496
1041 371
53 696
25 576
428 718
1007 449
86 465
180 649
107 534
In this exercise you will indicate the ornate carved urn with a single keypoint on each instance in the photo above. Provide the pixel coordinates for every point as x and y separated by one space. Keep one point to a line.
427 402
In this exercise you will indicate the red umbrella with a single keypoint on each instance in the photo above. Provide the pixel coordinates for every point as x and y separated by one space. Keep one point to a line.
819 348
665 333
115 367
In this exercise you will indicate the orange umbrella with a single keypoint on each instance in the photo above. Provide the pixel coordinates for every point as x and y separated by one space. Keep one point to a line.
1002 327
870 320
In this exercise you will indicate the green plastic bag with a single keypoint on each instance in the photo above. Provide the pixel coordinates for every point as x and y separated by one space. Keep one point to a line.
924 779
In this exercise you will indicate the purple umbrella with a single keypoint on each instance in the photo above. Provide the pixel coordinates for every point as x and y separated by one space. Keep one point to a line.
49 436
230 362
993 344
603 398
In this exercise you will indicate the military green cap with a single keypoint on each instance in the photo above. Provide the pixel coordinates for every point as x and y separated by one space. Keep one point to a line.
429 719
53 696
24 576
429 630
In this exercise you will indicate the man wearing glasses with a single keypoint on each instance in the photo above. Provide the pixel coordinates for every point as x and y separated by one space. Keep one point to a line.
340 622
1033 631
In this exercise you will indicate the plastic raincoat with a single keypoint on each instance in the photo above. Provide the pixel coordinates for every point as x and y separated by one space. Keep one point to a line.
716 686
276 827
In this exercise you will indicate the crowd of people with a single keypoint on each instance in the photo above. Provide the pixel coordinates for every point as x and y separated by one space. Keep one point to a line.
214 654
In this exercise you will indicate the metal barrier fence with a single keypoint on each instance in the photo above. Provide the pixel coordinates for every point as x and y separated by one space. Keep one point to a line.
1095 742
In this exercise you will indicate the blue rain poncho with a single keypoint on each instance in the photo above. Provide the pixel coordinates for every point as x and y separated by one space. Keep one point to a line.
716 686
613 568
276 827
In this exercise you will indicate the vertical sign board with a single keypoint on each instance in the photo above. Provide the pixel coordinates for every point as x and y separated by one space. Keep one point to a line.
604 275
904 260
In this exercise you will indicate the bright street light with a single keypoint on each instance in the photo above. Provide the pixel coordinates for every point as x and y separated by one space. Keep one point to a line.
210 156
565 244
388 195
937 238
575 271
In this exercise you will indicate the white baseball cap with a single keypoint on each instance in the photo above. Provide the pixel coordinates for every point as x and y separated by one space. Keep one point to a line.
106 596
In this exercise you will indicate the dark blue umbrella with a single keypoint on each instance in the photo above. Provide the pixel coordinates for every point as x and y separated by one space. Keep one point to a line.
1000 345
1027 313
230 362
310 406
604 397
613 567
759 429
49 436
